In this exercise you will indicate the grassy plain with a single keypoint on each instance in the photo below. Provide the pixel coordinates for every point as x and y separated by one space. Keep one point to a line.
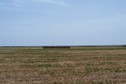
87 65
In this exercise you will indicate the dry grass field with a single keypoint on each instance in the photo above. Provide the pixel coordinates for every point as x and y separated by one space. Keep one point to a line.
88 65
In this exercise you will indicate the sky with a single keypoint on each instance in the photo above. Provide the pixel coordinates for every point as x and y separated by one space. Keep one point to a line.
62 22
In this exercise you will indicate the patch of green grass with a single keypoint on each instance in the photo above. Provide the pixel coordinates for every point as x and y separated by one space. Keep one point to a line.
119 69
89 70
1 60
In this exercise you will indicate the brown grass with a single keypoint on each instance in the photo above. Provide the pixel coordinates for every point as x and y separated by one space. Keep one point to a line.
63 66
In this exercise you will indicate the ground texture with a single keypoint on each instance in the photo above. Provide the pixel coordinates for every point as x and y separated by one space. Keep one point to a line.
96 65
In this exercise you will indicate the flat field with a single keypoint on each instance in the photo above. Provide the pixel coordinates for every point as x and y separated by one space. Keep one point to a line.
87 65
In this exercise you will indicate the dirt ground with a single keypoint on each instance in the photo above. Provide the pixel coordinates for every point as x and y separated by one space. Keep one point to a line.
63 66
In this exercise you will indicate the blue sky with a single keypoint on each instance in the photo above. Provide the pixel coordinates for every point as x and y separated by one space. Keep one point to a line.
62 22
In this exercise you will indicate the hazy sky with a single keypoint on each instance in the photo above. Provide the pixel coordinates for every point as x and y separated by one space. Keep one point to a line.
62 22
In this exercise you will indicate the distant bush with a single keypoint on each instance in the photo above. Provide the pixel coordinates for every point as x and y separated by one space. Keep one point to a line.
124 46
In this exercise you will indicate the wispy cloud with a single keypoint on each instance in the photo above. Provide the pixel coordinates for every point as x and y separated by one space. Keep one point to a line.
17 4
21 3
11 6
56 2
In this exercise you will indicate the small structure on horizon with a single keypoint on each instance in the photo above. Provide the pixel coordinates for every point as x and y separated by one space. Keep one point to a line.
53 47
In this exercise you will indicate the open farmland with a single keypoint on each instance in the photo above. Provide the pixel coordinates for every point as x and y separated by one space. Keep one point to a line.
78 65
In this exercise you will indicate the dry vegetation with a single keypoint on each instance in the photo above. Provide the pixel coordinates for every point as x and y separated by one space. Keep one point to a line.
97 65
